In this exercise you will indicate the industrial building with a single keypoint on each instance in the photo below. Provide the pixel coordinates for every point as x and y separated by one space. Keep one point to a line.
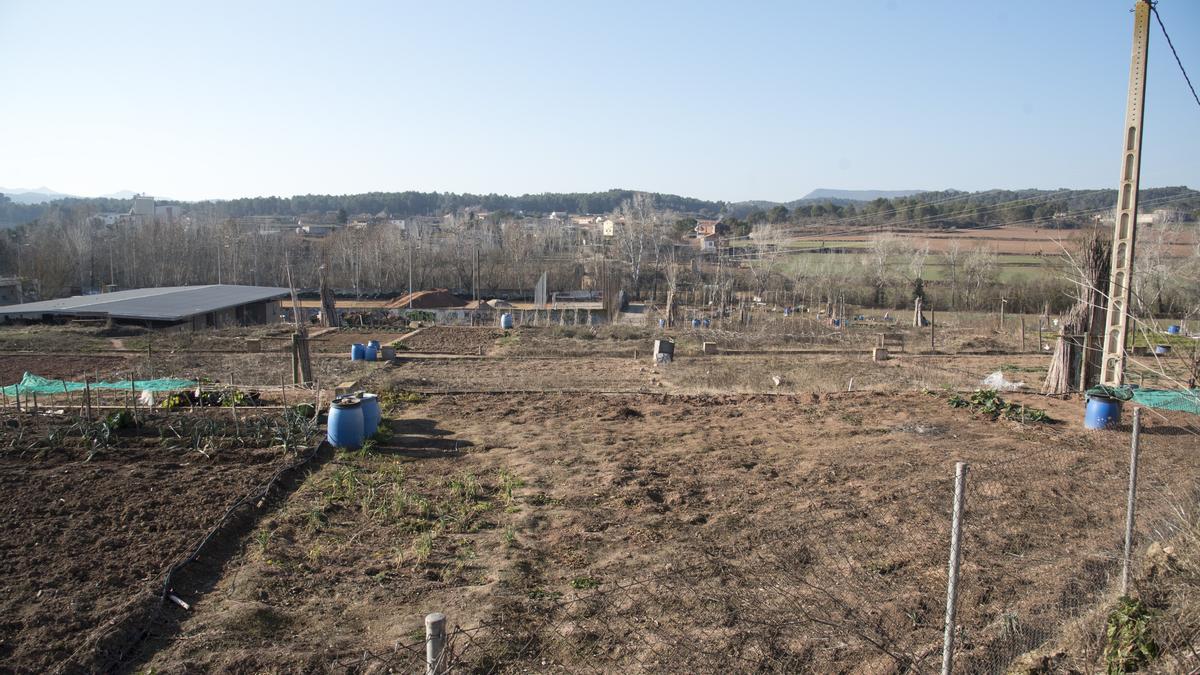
188 307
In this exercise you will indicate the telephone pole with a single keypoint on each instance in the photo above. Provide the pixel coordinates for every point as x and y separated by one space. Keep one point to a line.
1125 229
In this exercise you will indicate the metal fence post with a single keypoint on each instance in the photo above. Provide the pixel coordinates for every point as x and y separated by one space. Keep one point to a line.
1131 500
960 495
435 642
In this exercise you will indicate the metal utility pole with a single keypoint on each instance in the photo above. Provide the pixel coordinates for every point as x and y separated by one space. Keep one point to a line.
1125 229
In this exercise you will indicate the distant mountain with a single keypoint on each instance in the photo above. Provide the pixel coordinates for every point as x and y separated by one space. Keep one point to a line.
859 195
37 195
41 195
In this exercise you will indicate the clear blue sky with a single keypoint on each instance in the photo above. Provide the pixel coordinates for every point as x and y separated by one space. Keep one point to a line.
747 100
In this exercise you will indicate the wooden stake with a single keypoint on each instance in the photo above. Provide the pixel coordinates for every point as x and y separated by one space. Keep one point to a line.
1022 332
932 321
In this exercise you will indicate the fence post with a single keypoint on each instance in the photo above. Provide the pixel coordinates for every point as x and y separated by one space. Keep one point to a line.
960 495
1131 500
435 641
932 330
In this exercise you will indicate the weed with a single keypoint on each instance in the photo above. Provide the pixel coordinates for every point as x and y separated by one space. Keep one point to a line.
988 402
393 399
345 483
584 583
315 519
510 536
466 487
423 547
1129 644
508 482
262 538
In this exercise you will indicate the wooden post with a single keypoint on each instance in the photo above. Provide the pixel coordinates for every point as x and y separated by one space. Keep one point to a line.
317 387
960 494
283 390
1131 499
932 330
87 396
435 643
295 358
133 394
1022 332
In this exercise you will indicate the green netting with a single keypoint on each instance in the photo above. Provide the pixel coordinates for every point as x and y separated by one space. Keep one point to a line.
36 384
1182 400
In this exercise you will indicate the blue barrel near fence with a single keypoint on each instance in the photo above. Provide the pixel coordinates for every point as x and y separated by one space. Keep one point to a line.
345 428
695 323
1102 412
662 323
1173 330
1162 350
373 344
506 321
358 351
371 353
707 323
371 414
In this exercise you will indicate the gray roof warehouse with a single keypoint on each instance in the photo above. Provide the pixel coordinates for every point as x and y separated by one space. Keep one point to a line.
196 307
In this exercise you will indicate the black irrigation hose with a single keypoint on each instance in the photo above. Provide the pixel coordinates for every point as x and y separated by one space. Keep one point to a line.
252 497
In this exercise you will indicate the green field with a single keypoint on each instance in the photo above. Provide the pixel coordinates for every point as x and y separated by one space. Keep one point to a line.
1011 267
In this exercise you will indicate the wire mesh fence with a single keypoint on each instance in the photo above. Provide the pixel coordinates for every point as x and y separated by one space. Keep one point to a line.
861 586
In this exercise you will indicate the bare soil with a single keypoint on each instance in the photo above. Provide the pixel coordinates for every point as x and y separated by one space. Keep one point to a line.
455 339
13 367
84 542
644 532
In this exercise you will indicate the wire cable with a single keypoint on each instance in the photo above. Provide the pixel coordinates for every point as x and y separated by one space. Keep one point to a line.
1170 44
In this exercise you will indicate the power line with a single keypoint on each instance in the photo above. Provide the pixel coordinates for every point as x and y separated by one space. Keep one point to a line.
1172 46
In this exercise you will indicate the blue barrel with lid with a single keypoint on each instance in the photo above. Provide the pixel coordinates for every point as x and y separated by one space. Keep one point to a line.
1173 330
506 321
1102 412
345 427
371 352
358 351
1162 350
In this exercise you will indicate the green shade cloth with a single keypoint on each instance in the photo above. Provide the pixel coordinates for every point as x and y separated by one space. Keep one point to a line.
1182 400
35 384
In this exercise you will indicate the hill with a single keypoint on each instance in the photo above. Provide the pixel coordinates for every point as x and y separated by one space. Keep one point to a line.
857 195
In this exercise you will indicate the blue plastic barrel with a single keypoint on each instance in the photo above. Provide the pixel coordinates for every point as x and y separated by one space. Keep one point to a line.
345 428
372 353
358 351
373 344
1162 350
371 414
707 323
695 323
1102 413
1173 330
506 321
662 323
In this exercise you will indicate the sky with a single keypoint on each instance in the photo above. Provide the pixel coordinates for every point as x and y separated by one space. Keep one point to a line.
717 100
